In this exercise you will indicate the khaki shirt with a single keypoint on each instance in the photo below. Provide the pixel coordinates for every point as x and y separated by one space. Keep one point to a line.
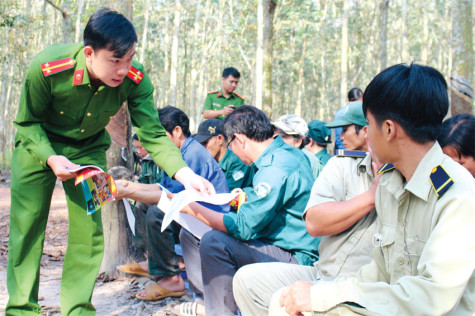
425 257
342 179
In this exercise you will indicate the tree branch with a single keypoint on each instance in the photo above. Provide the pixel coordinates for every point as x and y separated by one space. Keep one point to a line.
64 13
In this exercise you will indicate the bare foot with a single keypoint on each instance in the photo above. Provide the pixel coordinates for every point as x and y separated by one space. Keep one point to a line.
144 265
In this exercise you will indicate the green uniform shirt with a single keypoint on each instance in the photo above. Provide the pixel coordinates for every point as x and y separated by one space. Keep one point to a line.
217 101
151 173
52 109
275 205
323 156
315 164
238 175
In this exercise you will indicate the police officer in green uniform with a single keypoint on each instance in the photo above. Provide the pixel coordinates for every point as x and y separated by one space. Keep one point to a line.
211 136
69 95
221 103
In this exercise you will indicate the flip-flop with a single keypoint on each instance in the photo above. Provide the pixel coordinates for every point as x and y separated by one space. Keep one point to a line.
133 268
155 291
188 309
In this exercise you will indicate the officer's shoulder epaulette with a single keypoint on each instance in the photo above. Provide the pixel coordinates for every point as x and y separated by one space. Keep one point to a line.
241 97
385 168
55 66
440 179
135 74
350 153
214 91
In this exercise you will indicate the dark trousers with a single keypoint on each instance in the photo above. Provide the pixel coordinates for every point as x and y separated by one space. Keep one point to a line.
162 259
220 256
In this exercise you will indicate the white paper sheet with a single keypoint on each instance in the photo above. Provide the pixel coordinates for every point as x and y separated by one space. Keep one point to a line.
130 215
172 208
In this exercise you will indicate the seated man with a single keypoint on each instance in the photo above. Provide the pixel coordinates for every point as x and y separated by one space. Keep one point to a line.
294 131
269 227
319 137
423 262
151 173
340 209
162 260
210 134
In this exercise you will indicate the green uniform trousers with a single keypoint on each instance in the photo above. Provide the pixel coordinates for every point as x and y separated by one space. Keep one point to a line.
31 191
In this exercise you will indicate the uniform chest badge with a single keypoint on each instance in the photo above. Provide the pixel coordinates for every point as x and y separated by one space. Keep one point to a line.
262 189
238 175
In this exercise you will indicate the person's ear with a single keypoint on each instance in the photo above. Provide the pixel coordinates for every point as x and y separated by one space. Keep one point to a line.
389 129
178 131
88 52
220 139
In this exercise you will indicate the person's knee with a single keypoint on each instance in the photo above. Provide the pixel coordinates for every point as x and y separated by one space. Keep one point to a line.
214 239
241 280
154 216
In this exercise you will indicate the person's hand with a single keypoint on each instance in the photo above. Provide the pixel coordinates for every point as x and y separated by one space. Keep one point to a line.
123 191
296 298
61 167
228 110
193 181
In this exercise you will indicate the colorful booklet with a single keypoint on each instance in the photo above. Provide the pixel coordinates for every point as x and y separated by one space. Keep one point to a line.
98 187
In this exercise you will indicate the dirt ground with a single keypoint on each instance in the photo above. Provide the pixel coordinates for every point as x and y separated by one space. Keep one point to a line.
111 297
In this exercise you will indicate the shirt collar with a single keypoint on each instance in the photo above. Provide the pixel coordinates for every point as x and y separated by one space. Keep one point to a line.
81 64
185 145
265 158
365 165
420 184
221 95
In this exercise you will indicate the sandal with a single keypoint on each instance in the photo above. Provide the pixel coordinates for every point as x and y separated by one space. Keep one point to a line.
155 291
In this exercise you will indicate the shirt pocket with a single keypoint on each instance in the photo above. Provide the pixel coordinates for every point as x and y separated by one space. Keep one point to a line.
388 240
413 248
63 115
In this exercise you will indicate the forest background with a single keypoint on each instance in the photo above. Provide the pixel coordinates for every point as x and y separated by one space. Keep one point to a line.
295 56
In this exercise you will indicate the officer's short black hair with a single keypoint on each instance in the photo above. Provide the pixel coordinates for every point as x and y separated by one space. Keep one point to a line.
111 30
231 71
170 117
414 96
459 132
250 121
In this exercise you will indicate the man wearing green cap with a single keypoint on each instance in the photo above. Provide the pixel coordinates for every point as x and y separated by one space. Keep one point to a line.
340 210
69 95
319 136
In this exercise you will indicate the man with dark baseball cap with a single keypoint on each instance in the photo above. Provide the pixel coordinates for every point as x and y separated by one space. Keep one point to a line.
211 136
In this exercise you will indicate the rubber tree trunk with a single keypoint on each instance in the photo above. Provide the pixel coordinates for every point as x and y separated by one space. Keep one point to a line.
117 236
461 79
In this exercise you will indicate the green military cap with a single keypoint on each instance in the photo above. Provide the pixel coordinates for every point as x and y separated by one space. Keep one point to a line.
319 132
353 115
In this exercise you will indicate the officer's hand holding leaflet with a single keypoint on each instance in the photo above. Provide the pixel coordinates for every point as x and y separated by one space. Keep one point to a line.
60 166
192 181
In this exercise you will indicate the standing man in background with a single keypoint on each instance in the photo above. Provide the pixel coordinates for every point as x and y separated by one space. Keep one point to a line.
221 103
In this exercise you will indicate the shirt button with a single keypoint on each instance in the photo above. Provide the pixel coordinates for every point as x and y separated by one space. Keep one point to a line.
41 162
82 131
89 114
353 239
400 261
402 222
338 261
61 112
95 93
